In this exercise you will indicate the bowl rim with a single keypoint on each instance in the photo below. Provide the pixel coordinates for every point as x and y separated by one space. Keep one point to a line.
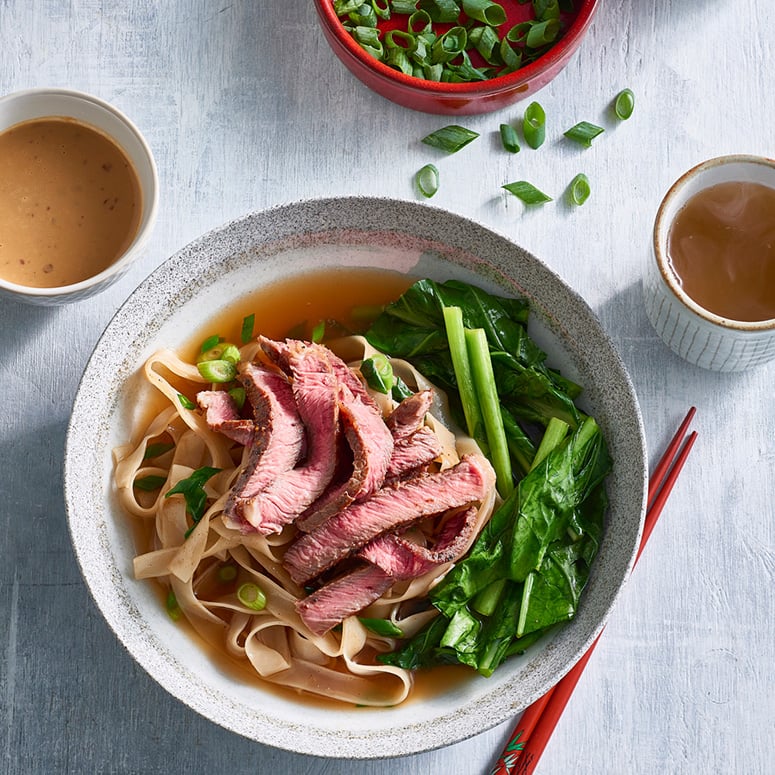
554 56
107 584
150 195
661 232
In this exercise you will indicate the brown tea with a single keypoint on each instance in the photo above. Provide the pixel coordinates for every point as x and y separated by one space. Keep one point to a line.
721 247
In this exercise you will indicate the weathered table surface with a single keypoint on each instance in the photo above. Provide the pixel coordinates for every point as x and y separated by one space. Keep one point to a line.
246 107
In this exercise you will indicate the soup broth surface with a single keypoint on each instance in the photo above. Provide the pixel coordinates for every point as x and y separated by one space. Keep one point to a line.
721 248
70 202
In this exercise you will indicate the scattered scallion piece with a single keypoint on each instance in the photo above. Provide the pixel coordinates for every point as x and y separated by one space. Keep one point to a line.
220 351
534 125
624 104
319 331
378 373
427 180
246 332
509 138
217 371
400 390
238 396
186 402
227 573
173 609
584 133
382 627
251 596
450 138
149 483
209 343
579 190
154 450
527 192
192 490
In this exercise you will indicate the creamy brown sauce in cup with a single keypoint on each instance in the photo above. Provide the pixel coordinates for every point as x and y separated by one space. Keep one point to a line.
721 248
70 202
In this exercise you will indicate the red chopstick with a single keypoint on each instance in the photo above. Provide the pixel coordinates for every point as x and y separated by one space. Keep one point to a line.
536 724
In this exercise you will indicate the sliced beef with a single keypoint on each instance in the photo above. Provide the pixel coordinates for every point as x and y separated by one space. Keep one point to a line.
413 453
372 449
409 415
389 508
343 597
222 416
278 437
315 391
401 559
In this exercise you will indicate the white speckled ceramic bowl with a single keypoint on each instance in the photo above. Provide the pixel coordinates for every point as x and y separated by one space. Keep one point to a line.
699 336
246 254
44 102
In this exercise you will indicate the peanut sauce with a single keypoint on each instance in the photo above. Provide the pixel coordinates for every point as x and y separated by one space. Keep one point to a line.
70 202
721 248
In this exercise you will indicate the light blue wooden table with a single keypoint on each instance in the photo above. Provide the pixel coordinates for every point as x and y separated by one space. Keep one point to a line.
246 107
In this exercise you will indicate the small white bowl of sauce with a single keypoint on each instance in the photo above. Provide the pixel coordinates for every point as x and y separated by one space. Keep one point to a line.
710 291
78 195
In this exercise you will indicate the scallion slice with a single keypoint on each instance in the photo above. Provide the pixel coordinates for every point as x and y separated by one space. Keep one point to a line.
624 104
534 125
149 483
382 627
186 402
319 331
154 450
246 333
485 11
579 190
509 138
378 373
251 596
440 10
227 573
217 371
527 192
209 343
584 133
238 396
450 138
427 179
173 609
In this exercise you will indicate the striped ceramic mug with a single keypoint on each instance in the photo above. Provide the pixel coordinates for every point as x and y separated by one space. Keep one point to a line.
699 336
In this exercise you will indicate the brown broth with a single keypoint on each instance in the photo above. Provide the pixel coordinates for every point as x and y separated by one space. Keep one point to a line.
721 247
70 202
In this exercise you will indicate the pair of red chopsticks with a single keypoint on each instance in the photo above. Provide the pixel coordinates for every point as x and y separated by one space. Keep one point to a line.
536 724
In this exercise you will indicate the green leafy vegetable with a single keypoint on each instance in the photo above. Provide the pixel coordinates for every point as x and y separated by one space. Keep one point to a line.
450 138
584 133
527 192
427 179
624 104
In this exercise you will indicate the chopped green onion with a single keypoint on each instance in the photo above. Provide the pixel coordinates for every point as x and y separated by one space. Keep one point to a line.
149 483
624 104
246 333
441 10
534 125
579 190
238 396
382 627
319 331
378 373
527 192
186 402
485 11
171 604
487 396
509 138
546 9
542 33
154 450
427 179
400 390
221 351
251 596
227 573
209 343
381 9
449 45
450 138
584 133
217 371
403 6
192 490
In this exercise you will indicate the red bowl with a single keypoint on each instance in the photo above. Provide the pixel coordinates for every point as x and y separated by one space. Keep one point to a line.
453 98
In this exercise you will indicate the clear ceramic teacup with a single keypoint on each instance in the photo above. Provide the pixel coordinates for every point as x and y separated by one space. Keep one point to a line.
698 307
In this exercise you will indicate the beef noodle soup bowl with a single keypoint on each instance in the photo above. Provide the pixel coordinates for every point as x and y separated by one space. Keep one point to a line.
290 272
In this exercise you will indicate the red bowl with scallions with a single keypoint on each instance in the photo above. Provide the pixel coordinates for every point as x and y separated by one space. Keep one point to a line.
471 72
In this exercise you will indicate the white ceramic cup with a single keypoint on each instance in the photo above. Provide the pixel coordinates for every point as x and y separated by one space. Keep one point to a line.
696 334
40 103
